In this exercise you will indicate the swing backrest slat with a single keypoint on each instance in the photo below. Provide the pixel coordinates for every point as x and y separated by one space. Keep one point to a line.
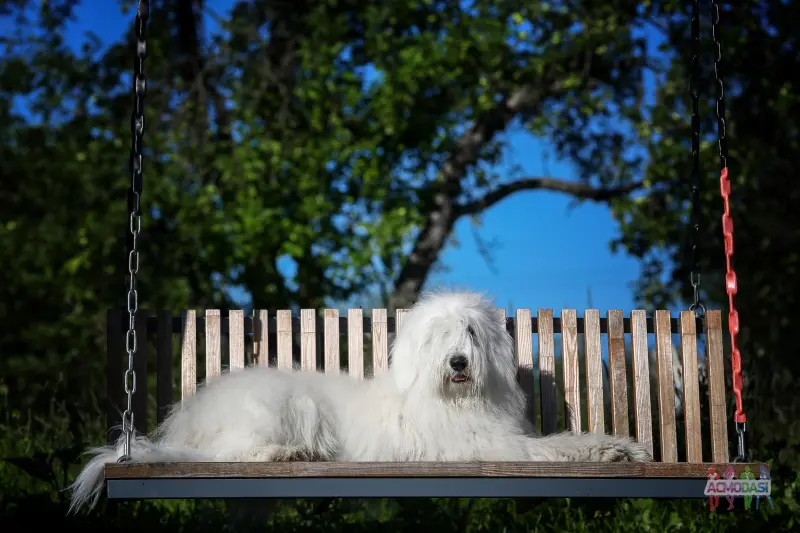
260 337
380 341
524 347
594 371
716 386
691 388
618 378
213 344
571 369
666 389
308 340
284 332
188 355
643 409
332 354
547 371
236 339
355 343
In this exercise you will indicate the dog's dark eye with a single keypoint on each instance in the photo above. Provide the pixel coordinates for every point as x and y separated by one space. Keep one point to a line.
471 333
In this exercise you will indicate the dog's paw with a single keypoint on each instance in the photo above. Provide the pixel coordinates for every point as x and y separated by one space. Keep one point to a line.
616 450
274 453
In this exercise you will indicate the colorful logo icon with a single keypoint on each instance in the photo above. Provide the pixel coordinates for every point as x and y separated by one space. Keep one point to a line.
746 486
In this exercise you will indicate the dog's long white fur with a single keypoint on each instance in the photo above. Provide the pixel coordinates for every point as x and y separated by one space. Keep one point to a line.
414 412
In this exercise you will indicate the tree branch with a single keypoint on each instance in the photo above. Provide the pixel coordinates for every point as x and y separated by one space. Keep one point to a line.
577 190
441 217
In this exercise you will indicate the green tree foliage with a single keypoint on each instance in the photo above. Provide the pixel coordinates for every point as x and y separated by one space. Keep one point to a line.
345 139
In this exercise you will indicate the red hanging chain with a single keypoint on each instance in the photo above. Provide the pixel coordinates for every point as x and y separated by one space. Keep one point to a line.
731 284
731 287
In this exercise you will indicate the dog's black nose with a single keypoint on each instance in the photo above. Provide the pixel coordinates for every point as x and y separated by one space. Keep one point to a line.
458 363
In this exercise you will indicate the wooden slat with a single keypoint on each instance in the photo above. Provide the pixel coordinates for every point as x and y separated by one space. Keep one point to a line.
189 355
332 353
115 347
524 342
407 469
547 371
140 367
666 388
594 371
716 386
284 334
236 339
400 315
641 380
618 378
380 342
308 340
163 366
261 337
501 315
213 344
355 343
691 388
569 358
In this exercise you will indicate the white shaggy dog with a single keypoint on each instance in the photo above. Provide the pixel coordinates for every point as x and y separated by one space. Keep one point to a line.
451 395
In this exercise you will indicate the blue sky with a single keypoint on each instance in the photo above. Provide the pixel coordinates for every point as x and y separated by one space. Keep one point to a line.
547 255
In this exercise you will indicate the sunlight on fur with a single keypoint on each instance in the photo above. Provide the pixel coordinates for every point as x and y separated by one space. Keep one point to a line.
451 394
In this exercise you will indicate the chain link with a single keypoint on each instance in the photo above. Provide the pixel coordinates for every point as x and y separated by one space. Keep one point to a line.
722 127
134 218
731 283
694 81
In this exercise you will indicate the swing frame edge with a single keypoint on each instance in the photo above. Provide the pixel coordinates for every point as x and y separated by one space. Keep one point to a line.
213 480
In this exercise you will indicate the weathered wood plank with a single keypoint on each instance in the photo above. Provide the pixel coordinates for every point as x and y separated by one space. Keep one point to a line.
524 345
641 380
400 316
283 328
332 354
666 388
618 378
594 371
260 338
416 469
691 388
380 341
213 344
547 371
308 340
716 386
355 343
236 339
189 355
572 387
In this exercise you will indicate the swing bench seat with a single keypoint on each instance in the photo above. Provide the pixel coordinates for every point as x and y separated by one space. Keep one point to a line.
556 380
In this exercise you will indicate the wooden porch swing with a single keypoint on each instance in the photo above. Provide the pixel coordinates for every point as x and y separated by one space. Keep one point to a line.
264 336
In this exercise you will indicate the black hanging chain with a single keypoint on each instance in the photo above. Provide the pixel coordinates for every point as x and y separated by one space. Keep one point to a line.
694 81
722 127
134 216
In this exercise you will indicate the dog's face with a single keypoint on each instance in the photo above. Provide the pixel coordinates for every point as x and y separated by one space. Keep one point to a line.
455 345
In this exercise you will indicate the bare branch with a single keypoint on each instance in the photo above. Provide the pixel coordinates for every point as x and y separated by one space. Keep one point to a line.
441 217
580 191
